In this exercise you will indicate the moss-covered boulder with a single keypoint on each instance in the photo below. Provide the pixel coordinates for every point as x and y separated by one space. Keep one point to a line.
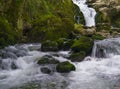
65 67
77 57
49 46
84 44
47 59
64 44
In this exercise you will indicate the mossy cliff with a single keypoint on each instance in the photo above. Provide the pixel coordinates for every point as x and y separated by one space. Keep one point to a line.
38 20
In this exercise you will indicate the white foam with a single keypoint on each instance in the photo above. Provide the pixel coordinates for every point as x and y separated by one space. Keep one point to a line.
89 13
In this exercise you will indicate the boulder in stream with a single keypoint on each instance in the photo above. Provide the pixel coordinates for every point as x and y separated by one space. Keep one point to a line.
65 67
47 59
49 46
77 57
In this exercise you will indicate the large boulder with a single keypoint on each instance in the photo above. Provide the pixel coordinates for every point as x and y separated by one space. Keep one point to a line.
49 46
47 59
84 44
65 67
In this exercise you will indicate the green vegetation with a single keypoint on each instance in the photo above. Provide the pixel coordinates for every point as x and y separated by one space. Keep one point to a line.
49 46
37 20
77 57
7 34
47 59
82 44
65 67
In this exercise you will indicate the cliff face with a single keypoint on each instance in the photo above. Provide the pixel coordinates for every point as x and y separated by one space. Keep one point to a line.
108 11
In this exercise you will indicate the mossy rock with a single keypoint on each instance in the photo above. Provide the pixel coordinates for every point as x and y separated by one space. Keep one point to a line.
65 67
98 37
49 46
115 17
103 26
78 28
84 44
102 18
77 57
65 44
47 59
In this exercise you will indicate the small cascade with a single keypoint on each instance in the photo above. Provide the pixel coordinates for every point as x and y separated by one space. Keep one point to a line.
89 13
106 48
19 68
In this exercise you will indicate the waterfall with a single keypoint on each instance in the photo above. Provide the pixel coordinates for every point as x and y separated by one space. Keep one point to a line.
106 48
89 13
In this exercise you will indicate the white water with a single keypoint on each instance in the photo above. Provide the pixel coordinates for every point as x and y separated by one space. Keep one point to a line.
93 73
89 13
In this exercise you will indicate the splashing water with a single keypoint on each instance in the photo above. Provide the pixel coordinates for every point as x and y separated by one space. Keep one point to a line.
92 73
89 13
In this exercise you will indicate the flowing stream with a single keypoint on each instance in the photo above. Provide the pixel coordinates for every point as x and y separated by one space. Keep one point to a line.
19 68
89 13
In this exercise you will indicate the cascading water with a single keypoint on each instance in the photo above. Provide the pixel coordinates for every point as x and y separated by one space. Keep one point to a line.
89 13
19 68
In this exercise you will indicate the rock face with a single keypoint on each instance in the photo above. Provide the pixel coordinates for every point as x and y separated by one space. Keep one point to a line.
108 11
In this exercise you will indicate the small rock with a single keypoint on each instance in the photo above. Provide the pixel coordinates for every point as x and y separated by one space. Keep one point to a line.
45 70
13 66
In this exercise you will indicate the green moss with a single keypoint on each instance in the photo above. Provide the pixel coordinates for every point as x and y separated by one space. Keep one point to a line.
78 28
77 57
64 44
47 59
103 26
98 37
102 18
115 17
7 34
49 46
65 67
82 44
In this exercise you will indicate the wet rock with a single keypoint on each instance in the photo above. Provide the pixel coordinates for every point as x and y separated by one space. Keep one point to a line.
21 53
45 70
84 44
77 57
47 59
65 67
49 46
64 44
9 55
13 66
